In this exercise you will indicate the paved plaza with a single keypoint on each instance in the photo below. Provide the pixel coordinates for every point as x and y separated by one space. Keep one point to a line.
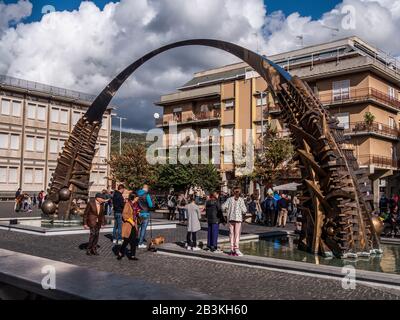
221 280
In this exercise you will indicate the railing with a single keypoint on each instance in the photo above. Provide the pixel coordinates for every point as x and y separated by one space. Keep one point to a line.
31 85
190 118
374 127
377 160
360 95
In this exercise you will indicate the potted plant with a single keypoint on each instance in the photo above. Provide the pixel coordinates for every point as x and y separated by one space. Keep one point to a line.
369 119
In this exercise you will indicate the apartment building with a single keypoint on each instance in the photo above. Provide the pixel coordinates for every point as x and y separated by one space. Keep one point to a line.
35 122
350 77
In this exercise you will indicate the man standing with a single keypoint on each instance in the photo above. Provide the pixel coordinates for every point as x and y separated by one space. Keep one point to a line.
235 208
214 217
283 211
94 219
269 209
145 204
40 198
118 205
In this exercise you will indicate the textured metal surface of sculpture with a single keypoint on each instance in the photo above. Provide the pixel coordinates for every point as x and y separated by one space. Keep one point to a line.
336 216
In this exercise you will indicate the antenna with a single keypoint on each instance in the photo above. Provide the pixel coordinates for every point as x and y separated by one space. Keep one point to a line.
301 38
335 31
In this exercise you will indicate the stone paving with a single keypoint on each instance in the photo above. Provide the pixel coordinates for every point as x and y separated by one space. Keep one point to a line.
222 280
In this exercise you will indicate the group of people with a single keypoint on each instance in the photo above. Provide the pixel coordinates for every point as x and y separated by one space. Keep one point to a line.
275 210
26 203
178 201
389 212
131 214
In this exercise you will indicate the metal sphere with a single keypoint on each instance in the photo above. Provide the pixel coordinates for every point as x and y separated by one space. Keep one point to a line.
64 194
49 207
330 231
378 225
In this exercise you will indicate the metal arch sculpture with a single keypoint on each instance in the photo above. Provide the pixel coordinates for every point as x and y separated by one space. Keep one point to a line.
336 217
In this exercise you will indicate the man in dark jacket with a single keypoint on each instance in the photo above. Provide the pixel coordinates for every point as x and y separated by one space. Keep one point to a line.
214 216
94 219
269 209
283 205
118 205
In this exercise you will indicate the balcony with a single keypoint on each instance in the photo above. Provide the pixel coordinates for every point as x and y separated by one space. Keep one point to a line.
200 117
378 161
360 95
383 130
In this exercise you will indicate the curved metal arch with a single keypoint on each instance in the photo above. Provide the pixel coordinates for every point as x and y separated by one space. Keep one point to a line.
256 61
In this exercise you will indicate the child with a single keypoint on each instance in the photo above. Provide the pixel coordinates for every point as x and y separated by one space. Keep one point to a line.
193 215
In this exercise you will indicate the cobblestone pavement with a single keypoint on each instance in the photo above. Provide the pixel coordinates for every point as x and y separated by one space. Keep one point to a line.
217 279
7 211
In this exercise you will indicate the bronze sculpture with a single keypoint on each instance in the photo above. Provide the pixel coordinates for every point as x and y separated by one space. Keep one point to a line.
336 216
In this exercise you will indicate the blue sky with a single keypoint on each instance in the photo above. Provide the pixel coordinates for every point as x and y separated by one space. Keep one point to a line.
304 7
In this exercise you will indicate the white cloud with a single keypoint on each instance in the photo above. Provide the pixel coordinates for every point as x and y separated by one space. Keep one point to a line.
86 48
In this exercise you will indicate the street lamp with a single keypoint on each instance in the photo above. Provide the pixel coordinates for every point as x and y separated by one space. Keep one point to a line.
262 95
120 133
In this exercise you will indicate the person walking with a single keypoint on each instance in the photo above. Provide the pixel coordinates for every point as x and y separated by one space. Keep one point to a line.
94 219
182 202
283 211
235 208
214 217
171 204
145 204
129 226
118 205
193 216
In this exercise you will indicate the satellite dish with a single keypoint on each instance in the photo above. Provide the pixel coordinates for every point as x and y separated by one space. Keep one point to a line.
156 115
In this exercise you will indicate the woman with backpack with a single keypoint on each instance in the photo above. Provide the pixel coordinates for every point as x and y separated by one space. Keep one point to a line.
171 204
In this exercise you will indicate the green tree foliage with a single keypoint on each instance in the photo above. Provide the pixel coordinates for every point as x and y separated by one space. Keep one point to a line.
182 177
132 168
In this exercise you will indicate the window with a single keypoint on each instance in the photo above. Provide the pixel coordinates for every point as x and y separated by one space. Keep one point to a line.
33 175
104 123
98 177
3 141
31 113
392 93
64 116
75 117
341 90
5 107
41 113
229 104
227 133
262 102
3 174
102 150
14 142
55 114
16 108
344 120
12 175
391 123
56 145
34 144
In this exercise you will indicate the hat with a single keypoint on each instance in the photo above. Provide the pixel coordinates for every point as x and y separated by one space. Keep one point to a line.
101 196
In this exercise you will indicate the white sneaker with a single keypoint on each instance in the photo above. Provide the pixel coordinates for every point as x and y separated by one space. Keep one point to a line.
218 251
189 248
114 241
239 253
119 242
196 249
142 246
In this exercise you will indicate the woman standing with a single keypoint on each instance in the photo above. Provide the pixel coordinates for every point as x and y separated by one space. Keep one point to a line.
129 226
171 204
214 217
194 216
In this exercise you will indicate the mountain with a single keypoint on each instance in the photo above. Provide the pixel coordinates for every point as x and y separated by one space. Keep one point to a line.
127 138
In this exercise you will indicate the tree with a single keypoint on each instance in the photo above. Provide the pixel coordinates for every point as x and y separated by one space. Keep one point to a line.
275 160
132 167
184 176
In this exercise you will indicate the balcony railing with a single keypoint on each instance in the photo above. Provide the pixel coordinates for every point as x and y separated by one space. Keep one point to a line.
360 94
375 127
189 118
379 161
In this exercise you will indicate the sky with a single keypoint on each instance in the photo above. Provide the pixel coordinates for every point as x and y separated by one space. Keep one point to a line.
82 45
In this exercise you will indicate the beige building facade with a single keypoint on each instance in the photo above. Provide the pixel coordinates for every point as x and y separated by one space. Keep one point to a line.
35 122
350 77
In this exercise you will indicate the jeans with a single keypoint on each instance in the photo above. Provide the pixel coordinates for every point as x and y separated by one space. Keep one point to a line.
212 235
117 226
142 232
182 214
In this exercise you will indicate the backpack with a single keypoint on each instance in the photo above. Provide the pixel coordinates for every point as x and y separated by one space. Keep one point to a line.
171 201
144 206
183 202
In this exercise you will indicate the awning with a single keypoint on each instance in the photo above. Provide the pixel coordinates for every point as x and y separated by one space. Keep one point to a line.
287 187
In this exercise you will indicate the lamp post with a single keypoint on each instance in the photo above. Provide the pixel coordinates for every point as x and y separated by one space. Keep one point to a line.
120 133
